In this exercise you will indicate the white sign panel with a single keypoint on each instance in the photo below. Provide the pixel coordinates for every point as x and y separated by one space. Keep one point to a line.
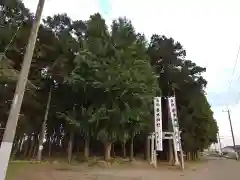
158 123
174 118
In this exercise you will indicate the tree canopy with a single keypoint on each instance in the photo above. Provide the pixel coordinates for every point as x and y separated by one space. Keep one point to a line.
90 84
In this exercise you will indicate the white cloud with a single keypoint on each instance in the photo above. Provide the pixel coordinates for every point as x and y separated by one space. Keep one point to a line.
208 30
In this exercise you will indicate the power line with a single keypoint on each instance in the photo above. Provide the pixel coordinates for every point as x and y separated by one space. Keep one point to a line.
229 87
238 98
234 68
11 40
226 137
238 95
8 137
228 111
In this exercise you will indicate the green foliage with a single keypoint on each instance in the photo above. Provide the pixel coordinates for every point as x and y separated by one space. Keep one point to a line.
103 80
124 83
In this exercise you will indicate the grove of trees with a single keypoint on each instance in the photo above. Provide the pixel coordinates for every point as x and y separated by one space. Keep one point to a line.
91 87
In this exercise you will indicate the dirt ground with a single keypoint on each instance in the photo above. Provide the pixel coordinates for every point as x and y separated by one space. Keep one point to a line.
215 169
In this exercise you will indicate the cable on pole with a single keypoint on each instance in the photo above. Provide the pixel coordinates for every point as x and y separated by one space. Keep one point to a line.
11 40
238 95
234 68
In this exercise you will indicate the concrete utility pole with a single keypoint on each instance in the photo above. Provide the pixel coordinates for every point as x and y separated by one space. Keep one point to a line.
9 134
233 138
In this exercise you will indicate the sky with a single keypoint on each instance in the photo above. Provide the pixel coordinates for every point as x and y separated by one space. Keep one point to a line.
209 30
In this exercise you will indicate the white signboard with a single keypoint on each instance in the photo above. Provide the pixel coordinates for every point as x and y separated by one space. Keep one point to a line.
158 123
174 118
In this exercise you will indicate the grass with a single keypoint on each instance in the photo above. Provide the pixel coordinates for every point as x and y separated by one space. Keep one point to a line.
15 168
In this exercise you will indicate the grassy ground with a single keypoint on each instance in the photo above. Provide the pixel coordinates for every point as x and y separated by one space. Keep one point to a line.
19 169
15 168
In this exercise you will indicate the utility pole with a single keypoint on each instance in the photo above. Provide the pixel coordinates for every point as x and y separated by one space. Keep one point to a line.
233 138
9 134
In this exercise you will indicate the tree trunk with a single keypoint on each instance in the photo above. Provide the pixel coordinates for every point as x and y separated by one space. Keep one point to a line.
31 146
113 150
42 133
86 148
22 143
16 147
107 151
189 156
26 146
35 149
198 155
70 147
19 144
50 147
147 150
192 156
131 149
171 157
77 144
15 143
124 149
